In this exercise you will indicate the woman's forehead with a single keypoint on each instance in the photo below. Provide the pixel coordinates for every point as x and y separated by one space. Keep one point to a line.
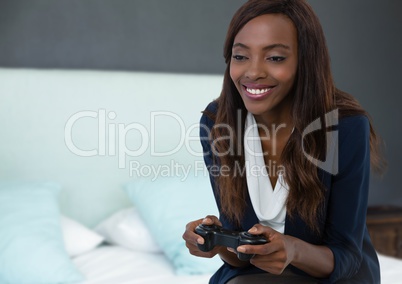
266 30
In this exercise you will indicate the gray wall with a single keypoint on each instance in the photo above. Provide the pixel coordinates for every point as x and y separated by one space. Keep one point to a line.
364 39
149 35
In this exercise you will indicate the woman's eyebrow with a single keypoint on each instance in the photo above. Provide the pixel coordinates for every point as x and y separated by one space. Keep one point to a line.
268 47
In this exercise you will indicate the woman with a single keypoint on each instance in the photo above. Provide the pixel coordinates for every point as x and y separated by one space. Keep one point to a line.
288 155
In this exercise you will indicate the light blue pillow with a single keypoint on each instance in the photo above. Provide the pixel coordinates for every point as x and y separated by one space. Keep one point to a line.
31 245
167 205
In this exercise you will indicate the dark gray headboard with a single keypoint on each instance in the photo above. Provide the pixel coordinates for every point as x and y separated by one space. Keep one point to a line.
364 39
149 35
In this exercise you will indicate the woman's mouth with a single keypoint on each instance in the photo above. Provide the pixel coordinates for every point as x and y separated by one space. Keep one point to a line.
257 93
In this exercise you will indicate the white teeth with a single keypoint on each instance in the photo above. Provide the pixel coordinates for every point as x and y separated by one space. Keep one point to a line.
258 91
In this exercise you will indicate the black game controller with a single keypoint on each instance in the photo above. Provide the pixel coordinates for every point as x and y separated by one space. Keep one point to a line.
215 235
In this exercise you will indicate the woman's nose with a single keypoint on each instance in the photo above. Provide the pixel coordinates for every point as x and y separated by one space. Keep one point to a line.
256 70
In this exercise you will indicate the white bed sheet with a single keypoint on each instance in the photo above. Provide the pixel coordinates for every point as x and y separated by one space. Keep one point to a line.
391 270
115 264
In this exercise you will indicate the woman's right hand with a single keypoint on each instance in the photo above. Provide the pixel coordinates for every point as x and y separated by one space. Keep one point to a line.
192 239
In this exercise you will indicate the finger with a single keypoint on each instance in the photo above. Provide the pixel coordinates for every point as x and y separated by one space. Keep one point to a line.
192 247
195 251
231 249
191 226
192 238
269 248
189 234
267 232
254 249
211 220
266 249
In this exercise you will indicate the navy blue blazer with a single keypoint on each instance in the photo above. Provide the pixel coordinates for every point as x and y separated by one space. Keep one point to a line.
344 221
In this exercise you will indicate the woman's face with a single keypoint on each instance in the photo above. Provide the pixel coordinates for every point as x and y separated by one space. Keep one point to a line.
264 63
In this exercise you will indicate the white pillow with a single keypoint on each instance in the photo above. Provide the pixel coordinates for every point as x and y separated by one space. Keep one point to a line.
127 229
166 205
78 239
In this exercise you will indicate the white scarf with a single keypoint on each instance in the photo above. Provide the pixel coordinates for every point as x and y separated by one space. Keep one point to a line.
268 203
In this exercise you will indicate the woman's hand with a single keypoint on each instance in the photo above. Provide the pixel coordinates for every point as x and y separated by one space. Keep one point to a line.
192 239
274 256
282 250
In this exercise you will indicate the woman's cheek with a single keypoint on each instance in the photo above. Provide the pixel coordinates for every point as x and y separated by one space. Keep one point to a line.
235 75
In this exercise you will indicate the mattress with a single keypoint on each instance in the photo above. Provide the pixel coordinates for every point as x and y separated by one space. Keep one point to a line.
391 270
115 264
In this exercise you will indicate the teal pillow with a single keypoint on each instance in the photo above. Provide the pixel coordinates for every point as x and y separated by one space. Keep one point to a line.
31 245
166 205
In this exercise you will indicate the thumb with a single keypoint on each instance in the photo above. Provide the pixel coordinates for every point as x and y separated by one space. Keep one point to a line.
266 231
211 220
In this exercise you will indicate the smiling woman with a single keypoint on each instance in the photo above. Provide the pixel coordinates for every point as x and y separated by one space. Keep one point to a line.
264 64
278 77
263 68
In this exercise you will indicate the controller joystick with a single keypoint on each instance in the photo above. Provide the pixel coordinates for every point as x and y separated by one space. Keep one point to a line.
215 235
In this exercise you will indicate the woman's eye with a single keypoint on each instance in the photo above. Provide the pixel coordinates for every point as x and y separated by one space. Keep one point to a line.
239 57
276 58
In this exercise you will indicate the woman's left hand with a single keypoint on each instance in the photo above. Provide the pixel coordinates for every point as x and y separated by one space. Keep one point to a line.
274 256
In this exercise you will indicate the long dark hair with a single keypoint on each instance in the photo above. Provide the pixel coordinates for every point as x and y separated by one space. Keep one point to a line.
314 94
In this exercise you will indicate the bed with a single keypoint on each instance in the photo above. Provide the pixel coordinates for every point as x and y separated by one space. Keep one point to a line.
114 261
129 255
100 173
114 264
100 267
